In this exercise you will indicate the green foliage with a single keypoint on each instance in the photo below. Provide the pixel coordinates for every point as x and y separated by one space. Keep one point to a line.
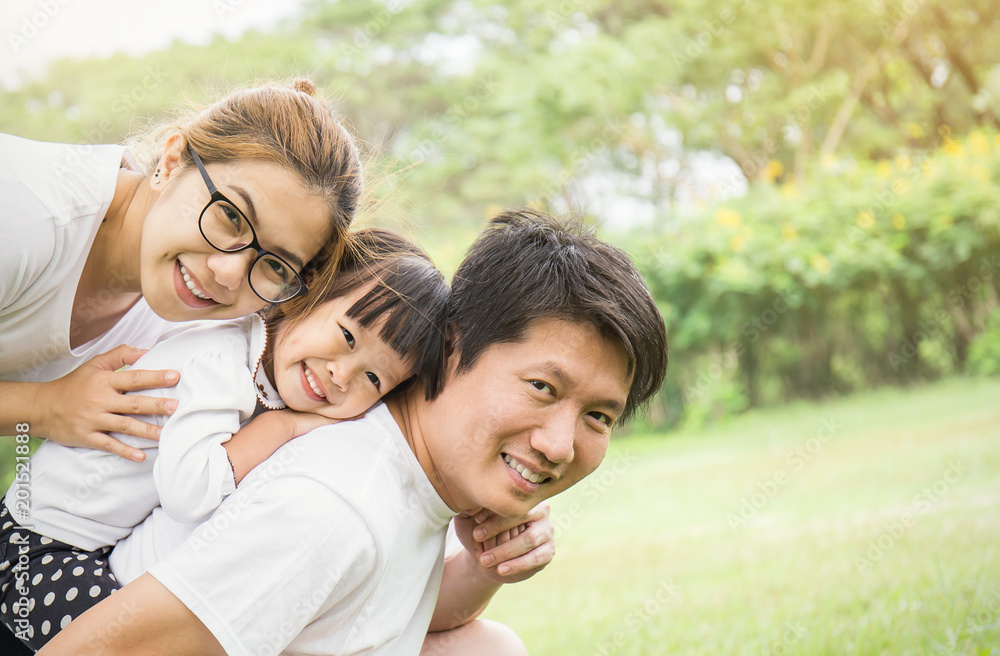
871 273
984 352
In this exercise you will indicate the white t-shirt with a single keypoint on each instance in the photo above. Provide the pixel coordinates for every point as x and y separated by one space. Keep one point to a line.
334 545
54 198
90 498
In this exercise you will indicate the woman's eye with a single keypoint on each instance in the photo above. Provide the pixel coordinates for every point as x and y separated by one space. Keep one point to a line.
278 268
349 337
542 386
375 381
233 216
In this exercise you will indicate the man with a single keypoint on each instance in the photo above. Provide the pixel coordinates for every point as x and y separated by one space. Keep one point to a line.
337 547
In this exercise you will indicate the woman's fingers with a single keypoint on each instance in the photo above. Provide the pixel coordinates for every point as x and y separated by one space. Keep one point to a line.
141 379
525 553
103 442
135 404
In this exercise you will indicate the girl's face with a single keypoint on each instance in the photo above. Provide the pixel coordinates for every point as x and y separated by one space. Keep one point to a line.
330 365
183 277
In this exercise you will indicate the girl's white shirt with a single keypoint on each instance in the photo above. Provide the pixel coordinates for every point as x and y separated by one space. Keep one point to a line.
91 499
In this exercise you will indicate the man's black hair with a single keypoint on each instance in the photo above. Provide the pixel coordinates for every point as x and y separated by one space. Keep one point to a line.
527 266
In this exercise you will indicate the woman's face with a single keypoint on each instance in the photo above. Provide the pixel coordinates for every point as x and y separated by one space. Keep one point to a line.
183 277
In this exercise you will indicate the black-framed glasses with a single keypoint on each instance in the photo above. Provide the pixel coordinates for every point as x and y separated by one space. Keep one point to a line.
227 229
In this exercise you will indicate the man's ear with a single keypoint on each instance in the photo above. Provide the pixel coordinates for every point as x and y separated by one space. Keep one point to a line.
170 163
452 354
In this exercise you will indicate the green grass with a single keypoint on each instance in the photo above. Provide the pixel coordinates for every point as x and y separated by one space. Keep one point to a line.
868 545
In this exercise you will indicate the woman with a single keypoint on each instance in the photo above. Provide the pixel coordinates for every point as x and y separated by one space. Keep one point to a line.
97 255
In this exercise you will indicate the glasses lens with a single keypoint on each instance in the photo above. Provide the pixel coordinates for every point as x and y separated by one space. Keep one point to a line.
225 227
274 279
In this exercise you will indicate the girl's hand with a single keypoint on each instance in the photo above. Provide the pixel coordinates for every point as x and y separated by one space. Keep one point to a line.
82 407
304 422
509 550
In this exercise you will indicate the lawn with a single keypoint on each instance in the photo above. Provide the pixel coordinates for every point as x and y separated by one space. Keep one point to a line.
865 525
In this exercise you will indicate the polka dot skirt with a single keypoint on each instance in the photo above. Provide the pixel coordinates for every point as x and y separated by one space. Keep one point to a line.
45 583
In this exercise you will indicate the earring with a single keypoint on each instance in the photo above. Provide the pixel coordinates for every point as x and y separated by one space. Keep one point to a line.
157 173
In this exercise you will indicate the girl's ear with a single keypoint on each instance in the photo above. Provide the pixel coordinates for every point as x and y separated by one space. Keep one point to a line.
170 163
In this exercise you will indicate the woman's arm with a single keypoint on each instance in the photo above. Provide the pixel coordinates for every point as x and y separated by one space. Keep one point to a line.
497 551
84 406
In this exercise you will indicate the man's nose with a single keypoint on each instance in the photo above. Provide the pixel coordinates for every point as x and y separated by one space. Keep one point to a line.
554 439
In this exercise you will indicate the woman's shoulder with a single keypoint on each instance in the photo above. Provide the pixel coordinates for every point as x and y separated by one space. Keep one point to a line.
65 179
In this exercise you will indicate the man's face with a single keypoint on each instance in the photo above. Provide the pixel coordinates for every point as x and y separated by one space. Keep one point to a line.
529 420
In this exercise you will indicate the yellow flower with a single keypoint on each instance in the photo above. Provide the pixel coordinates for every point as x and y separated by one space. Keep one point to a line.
728 218
883 170
903 162
788 233
737 243
820 263
789 190
774 170
979 143
953 148
865 219
898 221
914 130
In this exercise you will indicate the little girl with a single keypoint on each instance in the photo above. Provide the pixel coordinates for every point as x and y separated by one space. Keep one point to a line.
377 325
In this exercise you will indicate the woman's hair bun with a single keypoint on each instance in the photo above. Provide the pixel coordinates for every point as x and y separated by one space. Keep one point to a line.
304 85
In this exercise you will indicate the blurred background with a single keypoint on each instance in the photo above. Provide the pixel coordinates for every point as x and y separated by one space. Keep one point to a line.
810 190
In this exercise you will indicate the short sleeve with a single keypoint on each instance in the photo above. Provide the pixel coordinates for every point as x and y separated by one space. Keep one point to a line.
28 245
272 558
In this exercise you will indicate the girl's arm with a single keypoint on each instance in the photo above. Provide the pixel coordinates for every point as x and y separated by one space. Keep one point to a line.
84 406
497 551
257 440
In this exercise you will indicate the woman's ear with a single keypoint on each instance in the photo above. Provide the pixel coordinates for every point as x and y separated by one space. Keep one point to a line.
170 163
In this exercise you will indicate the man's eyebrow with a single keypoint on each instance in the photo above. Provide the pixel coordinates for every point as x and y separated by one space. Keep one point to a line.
554 370
252 215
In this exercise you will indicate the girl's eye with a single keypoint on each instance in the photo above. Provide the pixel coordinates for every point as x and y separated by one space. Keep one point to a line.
372 377
542 386
349 337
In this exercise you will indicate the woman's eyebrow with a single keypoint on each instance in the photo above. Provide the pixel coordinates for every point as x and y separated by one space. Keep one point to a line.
252 215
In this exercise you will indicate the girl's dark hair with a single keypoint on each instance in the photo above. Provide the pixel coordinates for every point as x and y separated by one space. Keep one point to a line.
408 294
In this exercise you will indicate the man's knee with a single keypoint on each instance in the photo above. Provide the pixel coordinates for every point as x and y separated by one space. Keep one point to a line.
477 638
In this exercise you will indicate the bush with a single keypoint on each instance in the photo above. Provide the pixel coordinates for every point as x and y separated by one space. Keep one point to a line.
872 273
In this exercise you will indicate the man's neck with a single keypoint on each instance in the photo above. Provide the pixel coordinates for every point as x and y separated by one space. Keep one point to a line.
412 413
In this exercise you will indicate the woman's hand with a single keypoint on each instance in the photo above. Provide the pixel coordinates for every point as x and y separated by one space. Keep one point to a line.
84 406
509 550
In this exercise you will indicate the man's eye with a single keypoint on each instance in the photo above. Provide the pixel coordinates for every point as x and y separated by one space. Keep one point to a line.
542 386
603 418
372 377
349 337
